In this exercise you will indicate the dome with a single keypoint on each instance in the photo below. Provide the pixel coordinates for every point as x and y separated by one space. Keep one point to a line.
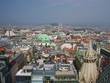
43 38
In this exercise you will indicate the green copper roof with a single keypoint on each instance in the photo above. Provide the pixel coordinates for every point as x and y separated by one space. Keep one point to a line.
44 38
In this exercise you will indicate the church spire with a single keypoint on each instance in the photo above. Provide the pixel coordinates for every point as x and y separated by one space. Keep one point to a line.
90 53
89 73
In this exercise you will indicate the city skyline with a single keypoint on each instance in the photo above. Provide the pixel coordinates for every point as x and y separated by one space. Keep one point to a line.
55 11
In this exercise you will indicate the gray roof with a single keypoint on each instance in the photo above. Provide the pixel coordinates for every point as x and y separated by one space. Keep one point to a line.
2 65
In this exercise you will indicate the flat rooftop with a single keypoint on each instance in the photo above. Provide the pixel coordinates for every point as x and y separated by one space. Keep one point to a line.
22 73
25 71
29 67
66 70
37 77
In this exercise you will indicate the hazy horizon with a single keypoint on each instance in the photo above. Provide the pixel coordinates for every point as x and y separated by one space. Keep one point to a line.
55 11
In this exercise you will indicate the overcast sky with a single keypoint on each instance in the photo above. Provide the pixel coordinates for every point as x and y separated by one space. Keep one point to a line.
58 11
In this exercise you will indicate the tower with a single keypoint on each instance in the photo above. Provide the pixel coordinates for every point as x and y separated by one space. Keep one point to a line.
89 72
60 27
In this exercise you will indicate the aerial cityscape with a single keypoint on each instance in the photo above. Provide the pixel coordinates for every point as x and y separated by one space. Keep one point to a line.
54 41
